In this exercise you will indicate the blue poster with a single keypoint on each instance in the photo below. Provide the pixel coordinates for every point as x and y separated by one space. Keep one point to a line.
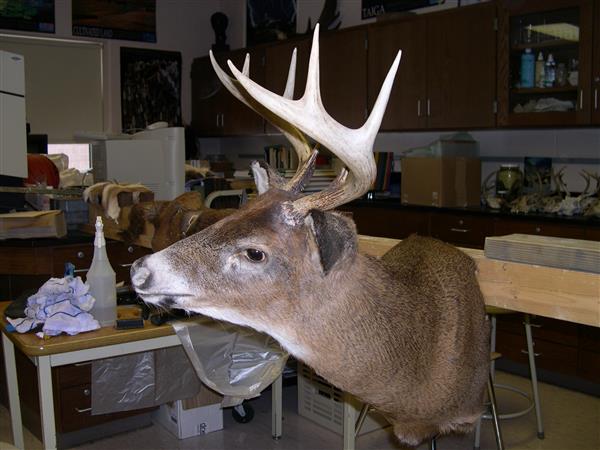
27 15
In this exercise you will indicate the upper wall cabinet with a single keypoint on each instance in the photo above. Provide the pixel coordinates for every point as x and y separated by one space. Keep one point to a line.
215 111
545 62
406 106
277 64
343 71
596 68
447 74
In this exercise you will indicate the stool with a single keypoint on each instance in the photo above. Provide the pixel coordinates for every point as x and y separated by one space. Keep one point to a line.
433 442
535 402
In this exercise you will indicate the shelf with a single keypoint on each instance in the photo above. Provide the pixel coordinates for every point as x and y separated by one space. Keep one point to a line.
548 90
545 44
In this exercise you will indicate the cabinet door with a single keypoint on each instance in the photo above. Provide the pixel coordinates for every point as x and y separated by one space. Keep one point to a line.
208 94
237 118
596 68
277 64
461 73
343 70
562 28
406 106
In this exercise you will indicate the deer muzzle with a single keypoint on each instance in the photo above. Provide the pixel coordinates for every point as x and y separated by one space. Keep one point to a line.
155 283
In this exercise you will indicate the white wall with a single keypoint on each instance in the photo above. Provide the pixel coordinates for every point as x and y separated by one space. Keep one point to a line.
181 25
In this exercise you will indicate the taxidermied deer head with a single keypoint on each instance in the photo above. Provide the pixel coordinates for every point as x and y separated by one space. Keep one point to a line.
406 334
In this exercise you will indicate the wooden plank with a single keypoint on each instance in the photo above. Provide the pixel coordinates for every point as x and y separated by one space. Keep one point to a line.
545 291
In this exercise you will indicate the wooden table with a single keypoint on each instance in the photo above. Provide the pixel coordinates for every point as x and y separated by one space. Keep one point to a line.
61 350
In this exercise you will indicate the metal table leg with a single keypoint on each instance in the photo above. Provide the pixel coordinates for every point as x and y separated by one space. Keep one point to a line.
277 409
46 402
13 392
349 423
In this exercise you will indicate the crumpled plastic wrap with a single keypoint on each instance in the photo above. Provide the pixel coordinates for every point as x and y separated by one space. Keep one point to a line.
235 361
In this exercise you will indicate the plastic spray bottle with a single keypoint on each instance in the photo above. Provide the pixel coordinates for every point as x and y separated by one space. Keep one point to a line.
102 281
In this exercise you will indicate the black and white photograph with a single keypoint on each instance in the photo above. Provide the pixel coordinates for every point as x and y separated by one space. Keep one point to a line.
150 88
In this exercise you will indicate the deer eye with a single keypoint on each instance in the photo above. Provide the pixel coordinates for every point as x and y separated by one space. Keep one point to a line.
255 255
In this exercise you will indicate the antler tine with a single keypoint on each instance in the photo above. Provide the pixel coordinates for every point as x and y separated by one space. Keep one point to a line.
586 176
292 134
353 146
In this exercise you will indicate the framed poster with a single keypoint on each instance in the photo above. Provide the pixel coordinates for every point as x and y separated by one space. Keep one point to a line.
268 21
373 8
150 88
27 15
132 20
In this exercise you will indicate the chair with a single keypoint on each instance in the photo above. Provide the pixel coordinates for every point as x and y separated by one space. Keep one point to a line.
534 398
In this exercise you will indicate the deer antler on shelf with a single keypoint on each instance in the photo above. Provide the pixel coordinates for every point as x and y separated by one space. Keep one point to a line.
306 117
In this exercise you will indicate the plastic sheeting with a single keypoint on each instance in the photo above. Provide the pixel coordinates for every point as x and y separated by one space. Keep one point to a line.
235 361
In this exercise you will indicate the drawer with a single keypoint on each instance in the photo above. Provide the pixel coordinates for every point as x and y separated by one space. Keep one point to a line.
79 255
122 256
73 374
553 357
461 229
589 365
390 223
75 410
589 339
503 226
592 234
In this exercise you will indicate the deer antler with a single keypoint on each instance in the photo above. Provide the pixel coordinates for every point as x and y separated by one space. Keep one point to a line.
307 114
292 134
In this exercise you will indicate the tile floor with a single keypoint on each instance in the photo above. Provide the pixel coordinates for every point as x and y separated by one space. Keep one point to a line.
572 422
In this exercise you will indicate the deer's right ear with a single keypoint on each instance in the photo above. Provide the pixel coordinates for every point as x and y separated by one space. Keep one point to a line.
265 177
335 237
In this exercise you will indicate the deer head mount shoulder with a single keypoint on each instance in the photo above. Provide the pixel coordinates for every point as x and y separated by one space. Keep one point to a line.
406 333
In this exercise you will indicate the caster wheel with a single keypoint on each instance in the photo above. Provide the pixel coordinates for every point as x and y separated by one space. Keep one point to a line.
243 413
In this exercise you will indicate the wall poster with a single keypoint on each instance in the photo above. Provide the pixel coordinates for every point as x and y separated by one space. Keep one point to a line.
132 20
27 15
150 88
373 8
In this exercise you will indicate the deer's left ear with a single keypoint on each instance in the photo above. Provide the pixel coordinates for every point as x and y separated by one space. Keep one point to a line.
265 177
335 237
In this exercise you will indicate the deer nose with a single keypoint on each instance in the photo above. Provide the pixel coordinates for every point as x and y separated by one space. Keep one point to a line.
140 275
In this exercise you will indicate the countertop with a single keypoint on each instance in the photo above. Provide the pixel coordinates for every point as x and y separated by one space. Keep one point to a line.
394 203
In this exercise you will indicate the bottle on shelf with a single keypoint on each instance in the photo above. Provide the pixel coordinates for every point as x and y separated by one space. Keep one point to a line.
527 69
561 75
102 281
550 72
540 70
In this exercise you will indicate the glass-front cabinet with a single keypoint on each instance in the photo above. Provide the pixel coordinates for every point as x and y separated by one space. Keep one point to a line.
545 60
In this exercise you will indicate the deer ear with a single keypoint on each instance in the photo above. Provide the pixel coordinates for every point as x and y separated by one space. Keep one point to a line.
261 179
265 177
335 237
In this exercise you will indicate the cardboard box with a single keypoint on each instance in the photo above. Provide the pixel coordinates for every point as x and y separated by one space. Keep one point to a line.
445 181
32 224
192 417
